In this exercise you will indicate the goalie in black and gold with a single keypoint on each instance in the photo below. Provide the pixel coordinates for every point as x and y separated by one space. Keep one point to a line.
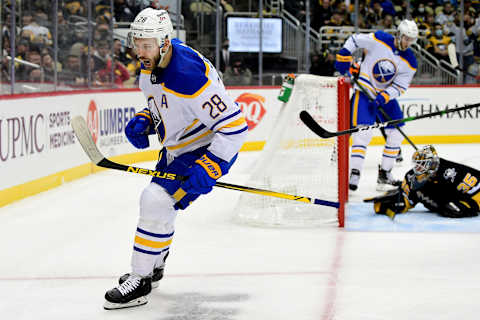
445 187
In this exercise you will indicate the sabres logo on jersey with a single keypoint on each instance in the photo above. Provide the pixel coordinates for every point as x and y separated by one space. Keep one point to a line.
384 70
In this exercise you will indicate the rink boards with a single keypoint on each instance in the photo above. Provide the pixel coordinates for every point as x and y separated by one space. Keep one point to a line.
38 149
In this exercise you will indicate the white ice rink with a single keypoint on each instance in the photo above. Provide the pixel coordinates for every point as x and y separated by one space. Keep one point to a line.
62 249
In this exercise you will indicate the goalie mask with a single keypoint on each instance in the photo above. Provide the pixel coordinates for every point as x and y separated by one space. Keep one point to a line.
151 23
408 31
425 162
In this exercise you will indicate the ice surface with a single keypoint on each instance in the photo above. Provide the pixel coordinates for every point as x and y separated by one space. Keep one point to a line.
62 249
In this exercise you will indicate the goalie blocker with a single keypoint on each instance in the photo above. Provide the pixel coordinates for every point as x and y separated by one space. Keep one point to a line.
442 186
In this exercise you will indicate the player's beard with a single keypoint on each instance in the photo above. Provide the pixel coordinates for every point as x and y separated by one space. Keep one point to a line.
150 64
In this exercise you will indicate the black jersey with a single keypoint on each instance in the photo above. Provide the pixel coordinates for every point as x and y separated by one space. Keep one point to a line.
453 183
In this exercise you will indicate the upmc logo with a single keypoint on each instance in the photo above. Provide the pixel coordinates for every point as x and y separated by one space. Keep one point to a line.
92 120
253 108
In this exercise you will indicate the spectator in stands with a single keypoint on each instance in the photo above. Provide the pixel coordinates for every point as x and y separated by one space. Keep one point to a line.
133 68
74 7
124 11
438 42
48 66
295 8
119 52
103 67
71 73
33 56
387 7
22 48
387 22
446 12
336 20
466 50
322 11
40 34
225 56
35 75
323 64
237 74
27 18
473 75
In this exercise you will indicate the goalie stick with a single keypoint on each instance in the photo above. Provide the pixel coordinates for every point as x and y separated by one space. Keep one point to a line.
85 139
308 120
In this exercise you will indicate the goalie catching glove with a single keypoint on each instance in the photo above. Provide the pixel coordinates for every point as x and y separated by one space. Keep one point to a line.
203 174
390 203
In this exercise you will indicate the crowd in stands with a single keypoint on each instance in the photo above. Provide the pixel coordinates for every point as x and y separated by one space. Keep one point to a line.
439 21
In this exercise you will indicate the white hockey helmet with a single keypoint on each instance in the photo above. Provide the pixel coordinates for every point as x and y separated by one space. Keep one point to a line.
425 161
151 23
408 28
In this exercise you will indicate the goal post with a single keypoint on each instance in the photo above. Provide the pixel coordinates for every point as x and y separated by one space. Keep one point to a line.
296 161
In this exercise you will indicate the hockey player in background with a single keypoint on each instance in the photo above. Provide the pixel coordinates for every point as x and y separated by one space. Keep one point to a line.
385 73
201 130
445 187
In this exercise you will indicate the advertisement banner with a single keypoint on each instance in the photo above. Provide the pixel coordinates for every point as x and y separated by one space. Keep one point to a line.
37 141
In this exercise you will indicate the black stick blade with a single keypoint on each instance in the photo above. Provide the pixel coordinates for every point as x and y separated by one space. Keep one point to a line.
314 126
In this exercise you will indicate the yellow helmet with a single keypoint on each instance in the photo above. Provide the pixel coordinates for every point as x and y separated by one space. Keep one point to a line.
425 161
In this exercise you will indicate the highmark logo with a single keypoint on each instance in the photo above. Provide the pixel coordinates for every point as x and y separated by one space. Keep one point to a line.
253 108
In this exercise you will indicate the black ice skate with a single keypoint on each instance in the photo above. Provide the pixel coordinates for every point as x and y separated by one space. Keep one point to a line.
385 180
156 276
131 293
354 179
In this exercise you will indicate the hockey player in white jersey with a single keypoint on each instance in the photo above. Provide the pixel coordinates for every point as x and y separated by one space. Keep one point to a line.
385 73
201 129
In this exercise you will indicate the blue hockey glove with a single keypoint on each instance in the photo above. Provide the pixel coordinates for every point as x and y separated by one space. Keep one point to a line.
203 174
343 60
381 99
138 128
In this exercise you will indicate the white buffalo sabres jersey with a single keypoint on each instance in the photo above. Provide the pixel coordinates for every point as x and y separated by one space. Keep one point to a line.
384 68
190 107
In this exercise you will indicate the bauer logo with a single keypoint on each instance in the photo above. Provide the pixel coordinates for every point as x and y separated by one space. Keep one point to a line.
253 108
92 120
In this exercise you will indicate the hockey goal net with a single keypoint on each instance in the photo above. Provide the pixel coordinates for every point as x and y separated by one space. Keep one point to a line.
296 161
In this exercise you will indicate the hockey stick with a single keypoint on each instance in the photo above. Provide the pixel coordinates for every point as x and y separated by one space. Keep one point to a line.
308 120
85 139
385 115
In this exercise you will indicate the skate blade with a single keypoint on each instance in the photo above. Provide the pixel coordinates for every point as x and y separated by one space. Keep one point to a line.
134 303
385 187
